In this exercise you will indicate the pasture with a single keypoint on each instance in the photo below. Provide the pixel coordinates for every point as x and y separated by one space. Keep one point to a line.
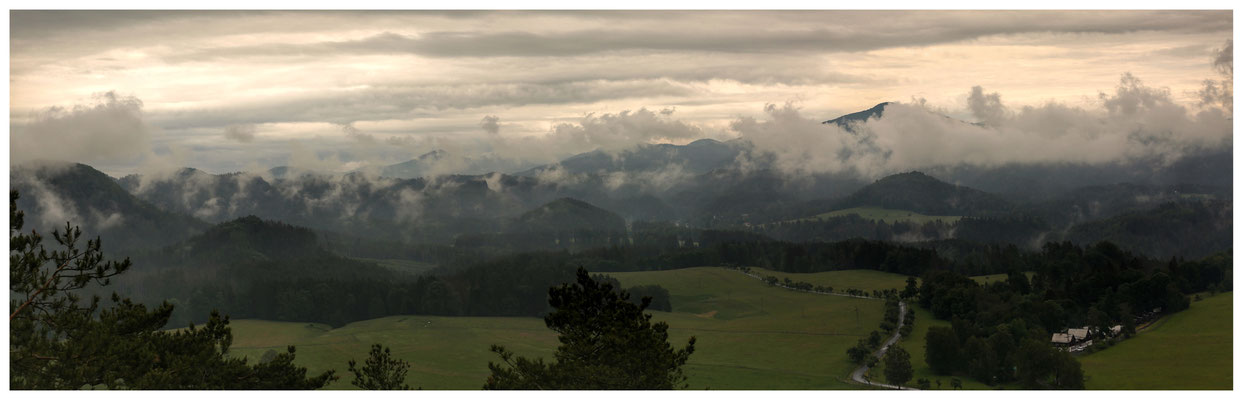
749 336
1191 349
410 267
862 279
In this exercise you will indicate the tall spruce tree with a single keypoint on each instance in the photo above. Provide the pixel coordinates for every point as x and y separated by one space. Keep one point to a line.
381 372
607 342
59 341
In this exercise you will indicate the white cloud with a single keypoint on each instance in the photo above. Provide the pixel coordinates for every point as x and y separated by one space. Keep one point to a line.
401 84
1135 122
110 128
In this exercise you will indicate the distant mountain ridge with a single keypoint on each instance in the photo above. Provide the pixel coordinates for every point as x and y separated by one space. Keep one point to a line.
698 157
440 162
1190 229
53 193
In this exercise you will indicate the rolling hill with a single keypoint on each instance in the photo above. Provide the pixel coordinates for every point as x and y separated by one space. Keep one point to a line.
568 214
915 191
1190 229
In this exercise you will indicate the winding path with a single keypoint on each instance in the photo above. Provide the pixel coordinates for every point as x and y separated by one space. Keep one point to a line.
857 376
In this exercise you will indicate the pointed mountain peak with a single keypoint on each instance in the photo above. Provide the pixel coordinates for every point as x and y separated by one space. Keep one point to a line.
862 116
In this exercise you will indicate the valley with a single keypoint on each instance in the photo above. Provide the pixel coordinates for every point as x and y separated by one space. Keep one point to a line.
785 280
749 336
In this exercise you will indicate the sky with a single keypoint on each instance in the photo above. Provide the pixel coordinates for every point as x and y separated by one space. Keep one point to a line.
135 92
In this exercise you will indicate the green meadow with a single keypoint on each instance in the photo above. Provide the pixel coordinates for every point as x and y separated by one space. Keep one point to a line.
401 266
1192 349
983 279
862 279
887 215
749 336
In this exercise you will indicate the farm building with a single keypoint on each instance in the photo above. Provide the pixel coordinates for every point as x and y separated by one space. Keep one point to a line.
1061 339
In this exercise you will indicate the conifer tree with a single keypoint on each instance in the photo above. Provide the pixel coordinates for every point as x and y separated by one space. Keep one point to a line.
381 372
607 342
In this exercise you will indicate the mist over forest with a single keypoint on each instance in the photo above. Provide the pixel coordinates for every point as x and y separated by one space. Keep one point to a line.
980 184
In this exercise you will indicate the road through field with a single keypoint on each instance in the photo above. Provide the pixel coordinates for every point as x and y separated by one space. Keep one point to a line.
857 376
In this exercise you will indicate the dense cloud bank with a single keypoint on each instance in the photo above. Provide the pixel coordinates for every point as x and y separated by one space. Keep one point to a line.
507 91
1134 123
110 127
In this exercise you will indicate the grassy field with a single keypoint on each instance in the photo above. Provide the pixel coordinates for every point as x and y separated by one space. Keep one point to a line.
862 279
1189 350
887 215
749 336
403 266
982 279
444 352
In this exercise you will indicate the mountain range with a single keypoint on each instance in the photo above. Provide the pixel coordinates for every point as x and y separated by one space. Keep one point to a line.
695 185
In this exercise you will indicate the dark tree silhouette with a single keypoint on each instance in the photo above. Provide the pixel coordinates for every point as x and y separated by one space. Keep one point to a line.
898 368
382 372
607 342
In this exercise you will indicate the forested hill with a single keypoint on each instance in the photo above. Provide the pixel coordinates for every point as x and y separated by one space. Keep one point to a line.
250 238
53 193
1190 229
1104 201
568 214
914 191
251 268
267 248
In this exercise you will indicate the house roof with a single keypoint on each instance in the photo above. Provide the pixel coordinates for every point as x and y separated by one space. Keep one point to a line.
1060 338
1078 333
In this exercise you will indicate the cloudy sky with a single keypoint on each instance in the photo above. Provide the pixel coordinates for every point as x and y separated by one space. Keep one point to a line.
227 91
